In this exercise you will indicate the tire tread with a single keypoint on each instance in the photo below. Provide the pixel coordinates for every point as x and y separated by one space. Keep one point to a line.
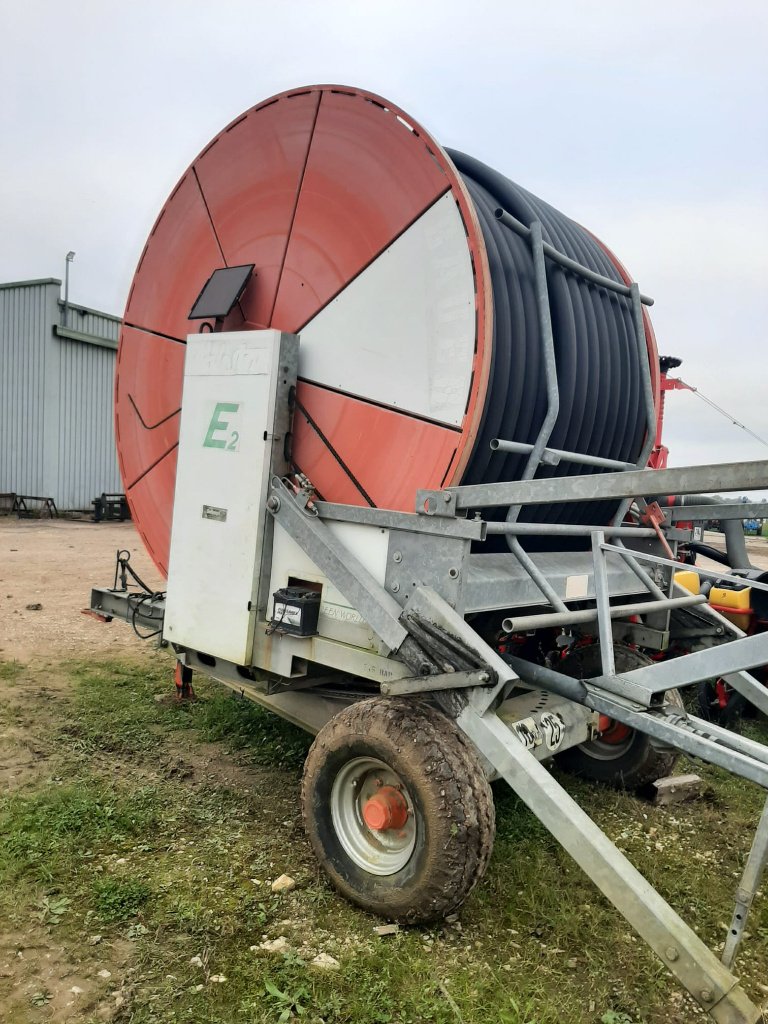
435 750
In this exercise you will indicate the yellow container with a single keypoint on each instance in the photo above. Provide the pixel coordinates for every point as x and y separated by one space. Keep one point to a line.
689 579
735 605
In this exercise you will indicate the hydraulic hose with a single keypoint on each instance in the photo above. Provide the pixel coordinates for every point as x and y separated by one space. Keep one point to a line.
596 350
735 544
710 552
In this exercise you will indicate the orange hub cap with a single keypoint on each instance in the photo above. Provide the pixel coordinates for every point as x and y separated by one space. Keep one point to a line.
387 809
612 731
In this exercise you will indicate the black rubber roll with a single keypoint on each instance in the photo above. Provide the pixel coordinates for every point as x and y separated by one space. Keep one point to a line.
597 353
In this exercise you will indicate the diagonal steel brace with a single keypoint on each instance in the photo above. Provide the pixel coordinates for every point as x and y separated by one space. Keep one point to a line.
710 983
708 980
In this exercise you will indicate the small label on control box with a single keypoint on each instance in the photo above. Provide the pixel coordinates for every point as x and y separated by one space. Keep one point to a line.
286 614
211 512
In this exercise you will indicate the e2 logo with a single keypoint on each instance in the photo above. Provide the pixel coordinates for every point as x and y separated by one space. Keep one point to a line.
225 417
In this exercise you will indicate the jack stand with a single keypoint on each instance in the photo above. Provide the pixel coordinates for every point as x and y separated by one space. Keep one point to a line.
183 678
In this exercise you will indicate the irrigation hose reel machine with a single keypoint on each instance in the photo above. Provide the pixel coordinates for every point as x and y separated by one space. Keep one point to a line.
405 504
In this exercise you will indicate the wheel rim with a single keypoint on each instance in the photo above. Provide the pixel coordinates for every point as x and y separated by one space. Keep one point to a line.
373 816
614 740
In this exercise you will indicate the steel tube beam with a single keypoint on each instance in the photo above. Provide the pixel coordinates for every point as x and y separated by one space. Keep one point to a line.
639 482
750 880
648 397
144 610
536 575
701 739
548 355
603 606
637 569
731 510
469 529
549 363
695 738
714 662
684 954
546 620
554 455
749 688
727 739
564 530
712 573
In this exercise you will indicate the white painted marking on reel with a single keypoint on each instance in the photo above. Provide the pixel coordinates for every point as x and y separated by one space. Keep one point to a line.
403 332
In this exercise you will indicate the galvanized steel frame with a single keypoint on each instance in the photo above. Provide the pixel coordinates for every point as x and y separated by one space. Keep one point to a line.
732 476
628 697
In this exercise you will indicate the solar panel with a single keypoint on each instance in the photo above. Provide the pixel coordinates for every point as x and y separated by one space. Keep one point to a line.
220 292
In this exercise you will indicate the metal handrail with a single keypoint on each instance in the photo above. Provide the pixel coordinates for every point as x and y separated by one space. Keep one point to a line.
538 452
565 261
552 456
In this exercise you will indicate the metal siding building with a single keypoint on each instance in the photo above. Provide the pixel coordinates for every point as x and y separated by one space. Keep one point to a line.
57 436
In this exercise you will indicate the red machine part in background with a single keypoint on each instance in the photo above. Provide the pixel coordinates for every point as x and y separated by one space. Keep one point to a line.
660 453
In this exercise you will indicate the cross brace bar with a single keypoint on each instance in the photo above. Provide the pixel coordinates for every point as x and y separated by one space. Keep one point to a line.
378 608
715 662
641 483
729 510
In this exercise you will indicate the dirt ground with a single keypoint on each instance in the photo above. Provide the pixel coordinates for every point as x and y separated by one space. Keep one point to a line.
54 563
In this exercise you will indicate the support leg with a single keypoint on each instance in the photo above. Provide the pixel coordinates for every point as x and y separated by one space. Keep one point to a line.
183 678
745 894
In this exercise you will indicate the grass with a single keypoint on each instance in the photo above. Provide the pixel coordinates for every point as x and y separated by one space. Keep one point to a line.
160 826
10 670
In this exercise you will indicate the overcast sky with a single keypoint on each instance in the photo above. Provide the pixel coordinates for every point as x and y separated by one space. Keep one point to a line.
645 122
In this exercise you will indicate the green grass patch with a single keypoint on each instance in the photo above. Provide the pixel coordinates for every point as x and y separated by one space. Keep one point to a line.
117 838
11 670
119 898
116 709
46 835
243 725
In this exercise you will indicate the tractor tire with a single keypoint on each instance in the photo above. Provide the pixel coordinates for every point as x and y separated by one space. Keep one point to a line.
621 757
397 809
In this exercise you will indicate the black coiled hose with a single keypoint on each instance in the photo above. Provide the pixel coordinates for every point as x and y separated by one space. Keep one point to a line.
599 375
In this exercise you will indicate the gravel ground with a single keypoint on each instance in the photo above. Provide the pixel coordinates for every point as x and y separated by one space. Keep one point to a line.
54 563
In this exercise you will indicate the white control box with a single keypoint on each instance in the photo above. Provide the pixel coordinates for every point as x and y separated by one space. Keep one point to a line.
233 384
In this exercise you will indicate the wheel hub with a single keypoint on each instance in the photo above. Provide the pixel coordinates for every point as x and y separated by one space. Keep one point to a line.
611 731
373 816
386 809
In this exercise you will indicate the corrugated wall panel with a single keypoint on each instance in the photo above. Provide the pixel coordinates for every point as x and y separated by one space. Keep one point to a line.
88 321
87 463
24 326
56 398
